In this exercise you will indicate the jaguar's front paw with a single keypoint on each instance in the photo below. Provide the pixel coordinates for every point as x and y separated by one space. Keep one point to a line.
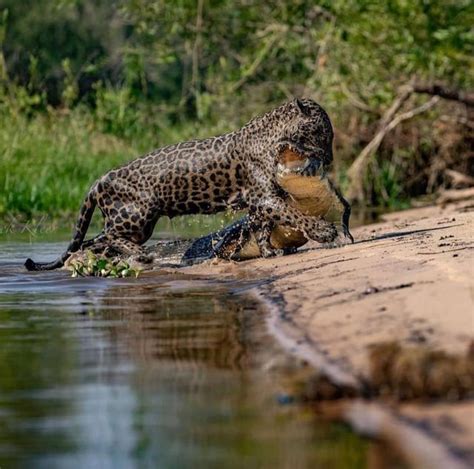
323 233
341 240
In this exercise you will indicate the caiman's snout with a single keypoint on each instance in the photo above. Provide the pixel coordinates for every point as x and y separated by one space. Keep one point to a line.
318 158
312 167
295 159
309 166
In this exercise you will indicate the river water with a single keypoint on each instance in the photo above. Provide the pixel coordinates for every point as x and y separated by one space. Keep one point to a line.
160 371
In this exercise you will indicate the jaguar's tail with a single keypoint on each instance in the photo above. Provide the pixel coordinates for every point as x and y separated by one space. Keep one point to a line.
80 231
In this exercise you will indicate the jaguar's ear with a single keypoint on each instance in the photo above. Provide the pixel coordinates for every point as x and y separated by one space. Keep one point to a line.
301 107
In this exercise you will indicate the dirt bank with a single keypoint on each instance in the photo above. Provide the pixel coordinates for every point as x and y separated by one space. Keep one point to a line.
409 280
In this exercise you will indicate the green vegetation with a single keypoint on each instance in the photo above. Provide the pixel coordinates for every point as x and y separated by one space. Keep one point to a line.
86 85
101 267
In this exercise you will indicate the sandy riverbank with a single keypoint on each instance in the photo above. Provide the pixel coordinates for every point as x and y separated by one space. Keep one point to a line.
387 322
408 279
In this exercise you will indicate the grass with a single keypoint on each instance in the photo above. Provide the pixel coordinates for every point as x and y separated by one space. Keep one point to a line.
48 163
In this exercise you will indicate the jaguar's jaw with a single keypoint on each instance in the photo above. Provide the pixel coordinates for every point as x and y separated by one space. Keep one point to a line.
304 151
293 160
293 168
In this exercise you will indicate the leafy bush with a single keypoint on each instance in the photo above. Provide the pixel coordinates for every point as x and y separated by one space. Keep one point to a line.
77 98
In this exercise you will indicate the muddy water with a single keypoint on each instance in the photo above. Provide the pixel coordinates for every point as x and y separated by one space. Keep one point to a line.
159 371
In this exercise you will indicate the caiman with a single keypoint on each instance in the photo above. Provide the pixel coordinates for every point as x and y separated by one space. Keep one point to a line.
314 195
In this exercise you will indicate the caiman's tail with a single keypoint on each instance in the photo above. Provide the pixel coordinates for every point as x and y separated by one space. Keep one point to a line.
82 225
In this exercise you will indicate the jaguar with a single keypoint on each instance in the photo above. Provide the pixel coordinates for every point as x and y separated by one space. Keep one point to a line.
237 170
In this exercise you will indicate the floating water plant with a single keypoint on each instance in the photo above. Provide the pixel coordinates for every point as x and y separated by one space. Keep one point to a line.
101 267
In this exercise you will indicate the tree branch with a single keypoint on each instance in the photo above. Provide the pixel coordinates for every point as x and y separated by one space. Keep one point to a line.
412 113
388 122
447 93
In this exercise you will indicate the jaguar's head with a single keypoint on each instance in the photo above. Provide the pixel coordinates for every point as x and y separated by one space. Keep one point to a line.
306 143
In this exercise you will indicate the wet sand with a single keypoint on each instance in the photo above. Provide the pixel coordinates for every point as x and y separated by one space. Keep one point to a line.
407 279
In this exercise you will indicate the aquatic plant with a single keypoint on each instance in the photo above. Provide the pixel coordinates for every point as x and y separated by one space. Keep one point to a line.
102 267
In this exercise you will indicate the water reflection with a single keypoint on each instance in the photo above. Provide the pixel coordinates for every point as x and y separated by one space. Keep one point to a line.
155 372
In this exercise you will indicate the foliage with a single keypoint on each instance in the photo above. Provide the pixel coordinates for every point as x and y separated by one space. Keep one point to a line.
48 162
101 267
86 84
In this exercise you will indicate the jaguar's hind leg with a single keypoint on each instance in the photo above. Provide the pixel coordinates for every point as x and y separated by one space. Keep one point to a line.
112 246
127 229
125 247
97 240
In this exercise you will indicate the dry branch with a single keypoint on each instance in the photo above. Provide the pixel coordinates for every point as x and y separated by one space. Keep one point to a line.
459 180
388 122
447 93
455 195
357 170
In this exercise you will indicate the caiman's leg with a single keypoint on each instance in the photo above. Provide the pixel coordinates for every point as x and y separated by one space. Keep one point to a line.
232 239
200 250
225 243
290 250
